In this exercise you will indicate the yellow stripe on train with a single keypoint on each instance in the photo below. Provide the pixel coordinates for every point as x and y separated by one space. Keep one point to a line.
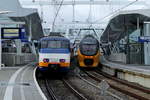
46 64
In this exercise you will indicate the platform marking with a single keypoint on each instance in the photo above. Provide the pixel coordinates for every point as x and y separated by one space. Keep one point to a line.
9 90
38 87
21 89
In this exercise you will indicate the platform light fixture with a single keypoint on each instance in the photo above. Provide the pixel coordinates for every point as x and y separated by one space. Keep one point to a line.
5 12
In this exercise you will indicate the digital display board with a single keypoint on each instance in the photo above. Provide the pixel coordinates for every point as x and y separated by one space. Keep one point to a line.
11 33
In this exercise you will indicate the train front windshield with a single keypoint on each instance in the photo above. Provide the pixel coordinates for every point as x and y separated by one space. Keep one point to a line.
55 44
89 49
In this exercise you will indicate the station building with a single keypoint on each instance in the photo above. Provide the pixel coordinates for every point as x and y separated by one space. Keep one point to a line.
128 37
19 51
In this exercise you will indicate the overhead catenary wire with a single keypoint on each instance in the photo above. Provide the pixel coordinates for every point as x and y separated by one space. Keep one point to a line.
53 24
110 14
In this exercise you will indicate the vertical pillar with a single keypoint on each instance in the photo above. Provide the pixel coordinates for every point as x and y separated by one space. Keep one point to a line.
147 44
138 23
128 60
0 49
18 46
30 30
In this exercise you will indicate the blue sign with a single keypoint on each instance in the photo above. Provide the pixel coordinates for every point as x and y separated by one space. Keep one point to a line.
23 37
144 39
14 33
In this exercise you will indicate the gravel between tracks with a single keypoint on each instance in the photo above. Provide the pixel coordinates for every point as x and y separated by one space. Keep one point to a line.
91 92
113 91
61 91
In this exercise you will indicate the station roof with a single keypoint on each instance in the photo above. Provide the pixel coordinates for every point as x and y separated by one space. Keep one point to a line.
145 12
15 7
124 22
19 14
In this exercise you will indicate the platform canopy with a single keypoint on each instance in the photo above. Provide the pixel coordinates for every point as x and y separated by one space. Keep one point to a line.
123 23
19 14
15 7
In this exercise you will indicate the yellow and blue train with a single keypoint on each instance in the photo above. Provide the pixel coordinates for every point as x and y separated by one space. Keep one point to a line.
54 54
88 53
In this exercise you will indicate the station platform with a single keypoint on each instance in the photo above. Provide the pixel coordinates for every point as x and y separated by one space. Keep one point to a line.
18 83
133 73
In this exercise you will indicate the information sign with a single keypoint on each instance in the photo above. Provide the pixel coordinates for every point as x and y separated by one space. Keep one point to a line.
144 39
10 33
14 33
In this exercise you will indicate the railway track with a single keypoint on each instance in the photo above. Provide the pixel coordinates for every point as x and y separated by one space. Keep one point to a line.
90 83
125 82
55 88
68 85
120 85
50 91
74 90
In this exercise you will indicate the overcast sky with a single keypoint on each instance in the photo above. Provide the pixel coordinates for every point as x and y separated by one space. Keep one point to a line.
81 11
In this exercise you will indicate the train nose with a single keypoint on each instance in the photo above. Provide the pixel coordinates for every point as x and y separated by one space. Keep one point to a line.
54 66
88 61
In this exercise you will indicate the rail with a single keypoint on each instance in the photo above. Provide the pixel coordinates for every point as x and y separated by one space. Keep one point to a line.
68 84
50 90
111 94
141 95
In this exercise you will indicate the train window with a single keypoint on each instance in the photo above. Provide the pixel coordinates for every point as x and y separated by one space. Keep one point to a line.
89 46
89 49
65 44
43 44
54 44
58 44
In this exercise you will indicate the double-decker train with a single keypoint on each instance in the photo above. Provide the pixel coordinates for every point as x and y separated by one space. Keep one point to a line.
88 53
54 54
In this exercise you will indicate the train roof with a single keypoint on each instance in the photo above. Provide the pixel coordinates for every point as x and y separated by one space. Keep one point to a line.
54 38
89 39
56 34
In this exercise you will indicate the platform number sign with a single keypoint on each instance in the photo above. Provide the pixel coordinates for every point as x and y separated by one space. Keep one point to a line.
144 39
11 33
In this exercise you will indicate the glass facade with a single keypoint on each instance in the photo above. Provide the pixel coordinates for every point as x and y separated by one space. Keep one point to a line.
123 44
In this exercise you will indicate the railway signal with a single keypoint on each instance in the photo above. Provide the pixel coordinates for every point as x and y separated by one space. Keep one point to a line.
103 87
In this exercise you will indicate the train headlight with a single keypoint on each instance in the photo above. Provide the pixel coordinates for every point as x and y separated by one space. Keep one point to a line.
45 60
62 60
